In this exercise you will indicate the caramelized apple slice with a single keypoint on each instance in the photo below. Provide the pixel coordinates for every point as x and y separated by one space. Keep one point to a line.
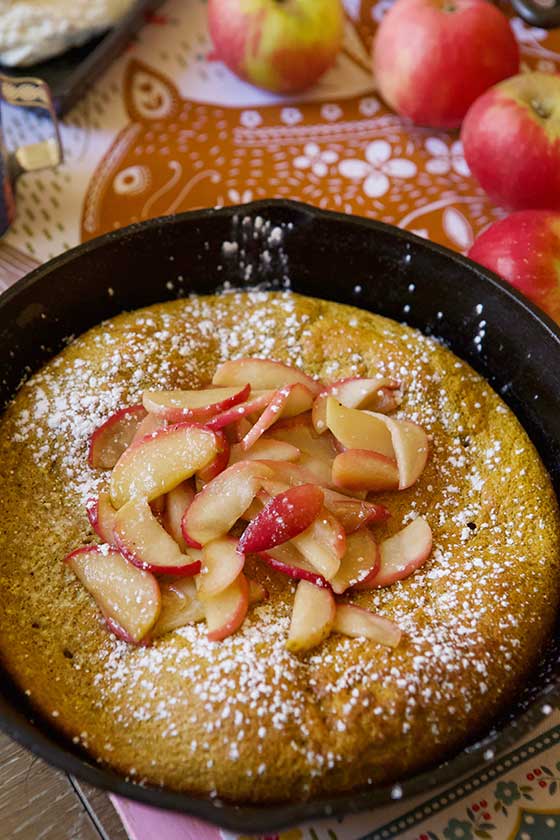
194 406
220 462
222 563
411 446
148 426
176 503
404 553
263 373
159 462
323 544
361 469
226 611
360 563
101 515
146 544
110 440
356 429
179 606
353 513
223 501
267 449
287 560
257 592
312 617
283 517
359 623
128 597
258 403
236 430
286 402
377 394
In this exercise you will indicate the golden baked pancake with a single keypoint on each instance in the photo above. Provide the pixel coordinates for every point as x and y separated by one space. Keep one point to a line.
244 719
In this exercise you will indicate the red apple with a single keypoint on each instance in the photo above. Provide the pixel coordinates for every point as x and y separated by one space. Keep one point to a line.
287 560
264 449
286 402
359 623
176 503
433 58
524 249
312 617
403 553
360 563
221 460
195 406
109 441
159 462
323 544
356 392
101 515
280 46
411 447
146 544
232 416
128 597
179 606
357 429
263 374
222 562
226 611
511 142
283 517
361 469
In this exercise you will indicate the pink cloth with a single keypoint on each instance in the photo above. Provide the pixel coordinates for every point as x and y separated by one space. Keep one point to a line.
145 823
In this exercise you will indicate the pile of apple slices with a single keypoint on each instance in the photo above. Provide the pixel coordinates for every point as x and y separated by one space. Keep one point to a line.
269 450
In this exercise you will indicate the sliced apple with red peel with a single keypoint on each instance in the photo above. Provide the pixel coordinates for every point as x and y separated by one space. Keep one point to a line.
237 430
176 503
258 403
109 441
355 392
353 513
158 506
404 553
179 606
360 563
283 517
222 562
357 429
128 597
226 611
300 433
195 406
289 473
148 426
411 446
146 544
323 544
159 462
263 373
287 560
359 623
286 402
361 469
313 616
223 501
220 462
267 449
257 592
101 515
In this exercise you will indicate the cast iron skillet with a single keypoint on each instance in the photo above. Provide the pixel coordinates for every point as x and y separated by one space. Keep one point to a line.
327 255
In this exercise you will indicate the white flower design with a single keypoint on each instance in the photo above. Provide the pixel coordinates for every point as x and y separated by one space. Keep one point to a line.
331 112
369 106
291 116
240 197
445 158
315 159
377 168
250 119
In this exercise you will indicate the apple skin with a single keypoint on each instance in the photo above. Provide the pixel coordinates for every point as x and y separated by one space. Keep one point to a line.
511 142
279 46
524 249
433 58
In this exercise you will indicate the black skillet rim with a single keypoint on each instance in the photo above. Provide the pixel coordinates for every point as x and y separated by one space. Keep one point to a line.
50 746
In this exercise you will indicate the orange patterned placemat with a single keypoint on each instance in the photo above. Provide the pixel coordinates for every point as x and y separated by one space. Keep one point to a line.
167 129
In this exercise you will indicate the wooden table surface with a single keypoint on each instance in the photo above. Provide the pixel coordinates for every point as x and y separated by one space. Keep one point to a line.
36 801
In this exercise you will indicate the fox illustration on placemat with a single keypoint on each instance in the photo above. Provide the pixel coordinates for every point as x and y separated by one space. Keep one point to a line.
351 155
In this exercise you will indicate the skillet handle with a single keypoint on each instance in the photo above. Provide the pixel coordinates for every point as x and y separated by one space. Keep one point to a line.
542 13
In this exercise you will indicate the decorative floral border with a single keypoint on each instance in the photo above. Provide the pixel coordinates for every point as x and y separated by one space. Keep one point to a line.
479 821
